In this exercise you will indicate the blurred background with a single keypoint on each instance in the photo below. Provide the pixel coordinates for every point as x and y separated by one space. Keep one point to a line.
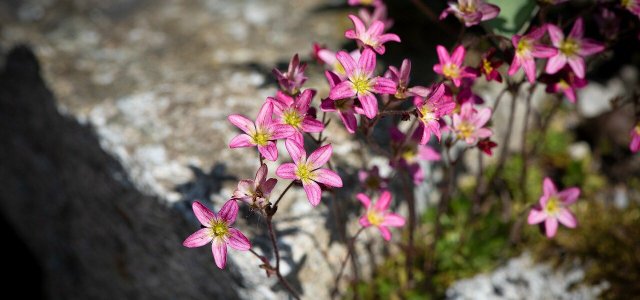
113 120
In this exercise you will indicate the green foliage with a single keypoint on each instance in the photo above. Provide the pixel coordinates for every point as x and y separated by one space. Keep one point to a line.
513 16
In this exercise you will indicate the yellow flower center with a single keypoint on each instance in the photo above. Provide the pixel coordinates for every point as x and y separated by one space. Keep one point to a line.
361 84
569 47
467 8
409 153
563 84
553 206
366 2
261 138
375 217
627 3
427 114
524 47
638 129
451 71
304 172
219 228
465 130
292 117
486 64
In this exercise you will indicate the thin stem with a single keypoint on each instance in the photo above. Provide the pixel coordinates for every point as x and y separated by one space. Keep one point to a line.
324 117
276 253
275 205
397 112
411 203
343 265
523 146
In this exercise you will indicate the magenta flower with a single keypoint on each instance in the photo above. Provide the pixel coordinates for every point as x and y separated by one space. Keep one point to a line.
526 48
471 12
329 57
308 170
345 107
256 192
372 180
361 83
291 81
217 230
486 146
293 112
451 66
553 208
631 5
466 94
401 79
263 133
489 67
378 215
571 49
431 110
372 37
634 146
565 82
379 14
468 125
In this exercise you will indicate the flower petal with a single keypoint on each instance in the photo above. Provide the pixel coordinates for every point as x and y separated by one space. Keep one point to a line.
567 218
347 62
327 177
384 231
529 67
383 85
219 250
383 202
344 90
543 51
577 65
268 185
203 214
296 150
350 121
265 115
238 241
364 221
287 171
229 211
240 141
241 122
393 220
269 151
536 215
443 55
310 124
548 187
313 191
569 196
367 62
489 11
261 174
320 156
198 238
281 131
577 31
457 57
364 199
556 63
369 104
590 47
551 226
556 34
357 24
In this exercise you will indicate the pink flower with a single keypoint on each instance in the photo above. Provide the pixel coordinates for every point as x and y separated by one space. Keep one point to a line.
466 94
372 180
291 81
489 67
564 82
262 133
526 48
329 58
379 14
308 170
365 2
632 5
468 125
471 12
408 153
431 110
571 49
553 208
293 112
378 215
217 230
256 192
361 83
372 37
634 146
451 66
401 79
345 107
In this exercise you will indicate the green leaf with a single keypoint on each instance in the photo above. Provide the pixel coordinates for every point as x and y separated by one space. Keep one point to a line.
514 15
